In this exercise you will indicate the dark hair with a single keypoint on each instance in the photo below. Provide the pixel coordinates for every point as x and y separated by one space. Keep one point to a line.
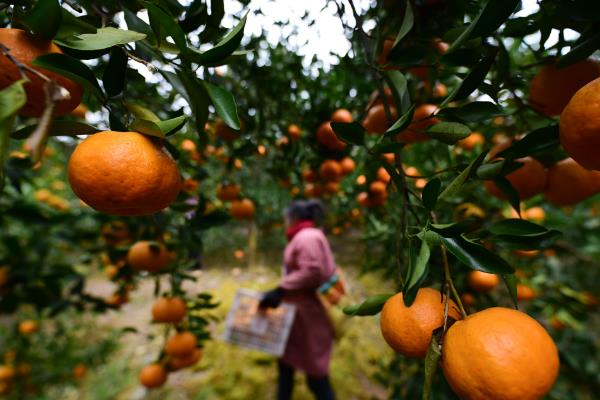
305 210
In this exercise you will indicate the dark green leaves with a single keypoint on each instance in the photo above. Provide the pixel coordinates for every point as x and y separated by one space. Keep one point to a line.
402 123
536 141
370 306
431 191
224 48
476 256
43 19
206 221
476 111
104 38
520 234
448 132
417 272
12 99
158 128
583 49
509 192
70 67
114 74
472 81
459 181
510 280
431 362
58 128
164 26
489 19
224 104
349 132
407 24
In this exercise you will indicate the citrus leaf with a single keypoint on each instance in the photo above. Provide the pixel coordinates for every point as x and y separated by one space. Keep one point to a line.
401 124
476 111
370 306
509 192
417 272
431 362
59 128
113 77
387 147
407 25
104 38
43 19
474 78
510 280
451 230
224 48
224 104
460 180
349 132
448 132
71 25
476 256
536 141
71 68
165 25
12 98
141 112
583 49
147 128
516 226
172 125
430 194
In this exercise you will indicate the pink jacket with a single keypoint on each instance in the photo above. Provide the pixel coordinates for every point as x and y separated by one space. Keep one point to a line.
308 263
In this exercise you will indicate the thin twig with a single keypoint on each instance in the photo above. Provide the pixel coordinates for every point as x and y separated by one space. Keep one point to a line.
22 67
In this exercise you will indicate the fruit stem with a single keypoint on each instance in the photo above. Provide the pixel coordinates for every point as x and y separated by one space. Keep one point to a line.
450 282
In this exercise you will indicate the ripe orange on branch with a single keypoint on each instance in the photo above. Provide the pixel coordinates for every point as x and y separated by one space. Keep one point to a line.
26 47
153 375
228 192
124 173
148 256
408 330
422 119
499 354
327 137
181 344
569 183
330 171
169 310
242 209
580 126
482 282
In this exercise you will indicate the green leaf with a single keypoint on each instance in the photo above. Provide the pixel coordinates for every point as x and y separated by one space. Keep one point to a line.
370 306
586 46
476 256
476 111
210 220
141 112
71 26
224 48
494 14
510 280
113 77
164 25
430 194
516 226
398 83
147 128
459 181
43 19
417 272
448 132
196 95
451 230
401 124
349 132
134 23
104 38
387 147
407 24
172 125
431 362
12 98
59 127
509 192
224 104
71 68
474 78
538 140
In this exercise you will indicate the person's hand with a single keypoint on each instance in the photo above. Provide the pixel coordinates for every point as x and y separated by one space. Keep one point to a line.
271 299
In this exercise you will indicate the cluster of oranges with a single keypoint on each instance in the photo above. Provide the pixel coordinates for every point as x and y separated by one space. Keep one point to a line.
494 353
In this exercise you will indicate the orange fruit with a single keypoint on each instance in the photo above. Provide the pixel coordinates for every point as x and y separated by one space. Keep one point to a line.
386 47
525 293
580 126
180 344
331 187
148 256
482 282
376 120
242 209
468 300
28 327
225 132
556 323
228 191
4 276
341 115
377 188
7 373
153 375
79 371
421 121
239 254
282 141
383 175
499 353
188 146
348 165
313 190
569 183
361 180
537 213
117 299
528 180
551 88
111 271
261 150
420 183
475 139
408 330
169 310
190 185
330 171
42 195
294 131
123 173
26 47
115 233
326 136
388 157
309 175
177 363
